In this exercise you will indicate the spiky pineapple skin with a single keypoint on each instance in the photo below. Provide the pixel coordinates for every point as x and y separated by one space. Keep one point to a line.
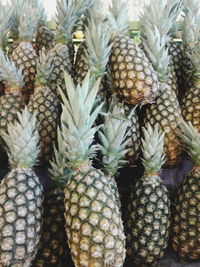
46 104
191 106
44 38
25 58
167 113
21 200
186 230
61 61
148 221
10 104
53 243
133 75
176 54
80 66
93 221
172 79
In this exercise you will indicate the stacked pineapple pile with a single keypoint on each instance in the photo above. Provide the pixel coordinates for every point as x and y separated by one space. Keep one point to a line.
87 120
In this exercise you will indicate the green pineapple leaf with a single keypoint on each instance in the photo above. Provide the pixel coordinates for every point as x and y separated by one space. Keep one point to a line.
44 68
152 147
113 139
77 120
12 77
22 140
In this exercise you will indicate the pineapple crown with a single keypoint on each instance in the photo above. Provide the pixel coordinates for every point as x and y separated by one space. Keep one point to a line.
22 141
59 172
118 16
191 138
77 119
156 23
97 39
152 147
113 139
155 48
191 23
44 69
69 13
5 20
28 24
12 77
163 14
15 18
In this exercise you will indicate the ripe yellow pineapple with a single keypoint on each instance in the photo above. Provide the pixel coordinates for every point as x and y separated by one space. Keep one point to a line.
156 23
148 214
93 220
23 53
186 231
21 195
12 102
45 102
134 78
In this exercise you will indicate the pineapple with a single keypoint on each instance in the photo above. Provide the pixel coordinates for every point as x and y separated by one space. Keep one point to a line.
191 101
186 231
68 14
148 215
53 249
23 54
165 110
21 195
44 36
12 102
134 79
93 220
46 103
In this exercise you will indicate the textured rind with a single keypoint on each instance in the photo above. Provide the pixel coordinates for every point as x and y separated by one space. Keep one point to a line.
172 79
61 61
93 221
21 200
133 76
46 104
186 230
52 249
176 54
10 104
134 145
148 221
167 113
25 58
191 106
44 38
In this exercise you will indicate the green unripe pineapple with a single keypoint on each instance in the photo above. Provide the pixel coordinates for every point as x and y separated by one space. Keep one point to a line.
148 216
21 195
